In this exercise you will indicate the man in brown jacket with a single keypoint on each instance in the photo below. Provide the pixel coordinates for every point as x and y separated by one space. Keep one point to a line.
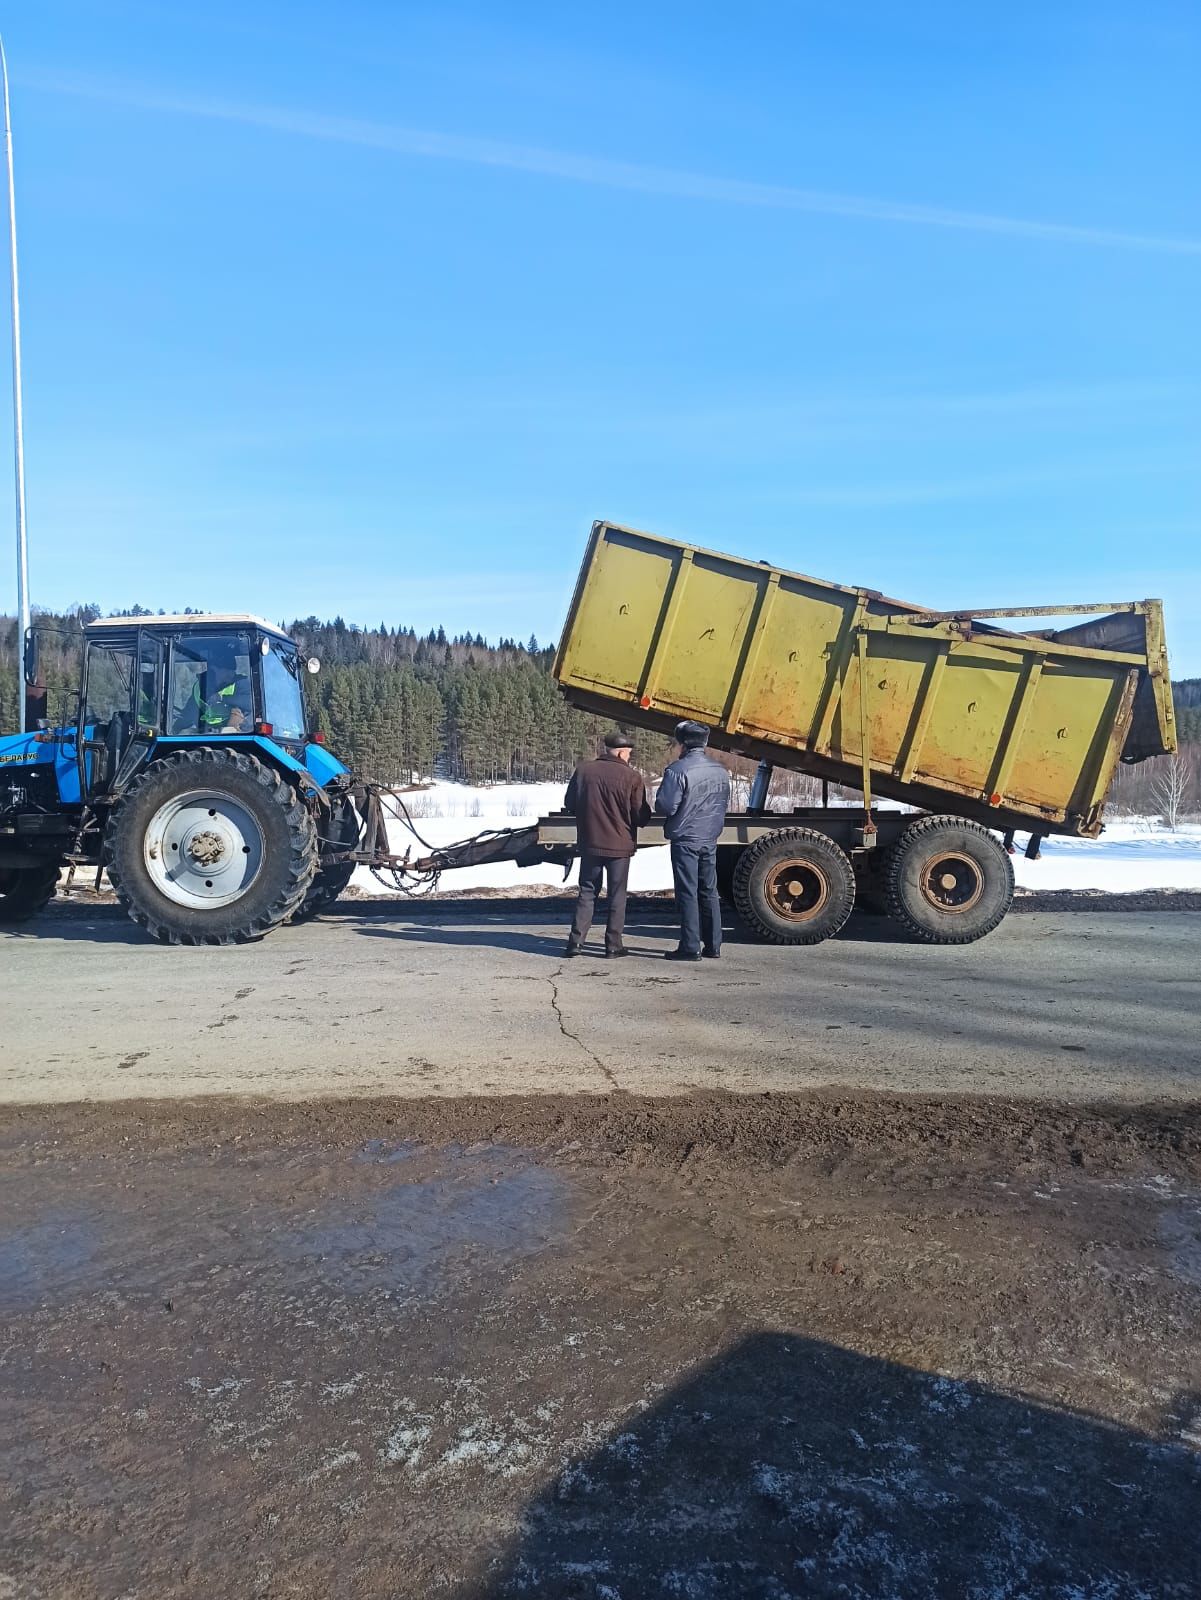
608 800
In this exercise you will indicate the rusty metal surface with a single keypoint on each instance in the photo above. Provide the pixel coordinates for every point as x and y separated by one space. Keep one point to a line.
935 708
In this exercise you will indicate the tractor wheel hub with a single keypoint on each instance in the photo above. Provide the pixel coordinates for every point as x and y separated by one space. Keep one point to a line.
206 848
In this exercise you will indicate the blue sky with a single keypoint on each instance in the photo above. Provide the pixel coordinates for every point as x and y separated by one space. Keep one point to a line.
371 309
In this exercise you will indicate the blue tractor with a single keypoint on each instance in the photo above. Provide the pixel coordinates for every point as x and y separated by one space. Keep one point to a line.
190 775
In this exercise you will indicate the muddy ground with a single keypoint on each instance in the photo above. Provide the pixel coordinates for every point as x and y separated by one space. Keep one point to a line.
781 1345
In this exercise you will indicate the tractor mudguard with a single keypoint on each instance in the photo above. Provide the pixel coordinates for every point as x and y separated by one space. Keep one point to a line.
318 764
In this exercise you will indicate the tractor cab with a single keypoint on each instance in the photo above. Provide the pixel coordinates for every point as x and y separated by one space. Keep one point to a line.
182 679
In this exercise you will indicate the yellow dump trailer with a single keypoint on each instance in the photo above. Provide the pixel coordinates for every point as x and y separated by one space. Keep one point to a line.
985 727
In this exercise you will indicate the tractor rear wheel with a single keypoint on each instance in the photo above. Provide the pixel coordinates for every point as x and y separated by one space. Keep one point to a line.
210 847
325 889
794 887
947 880
341 828
24 891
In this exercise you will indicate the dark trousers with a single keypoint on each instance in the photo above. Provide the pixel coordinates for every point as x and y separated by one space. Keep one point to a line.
616 872
694 867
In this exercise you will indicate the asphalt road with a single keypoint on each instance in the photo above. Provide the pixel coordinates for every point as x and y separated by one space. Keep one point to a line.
473 997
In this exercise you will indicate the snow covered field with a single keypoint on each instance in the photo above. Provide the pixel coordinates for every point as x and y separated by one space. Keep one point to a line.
1130 855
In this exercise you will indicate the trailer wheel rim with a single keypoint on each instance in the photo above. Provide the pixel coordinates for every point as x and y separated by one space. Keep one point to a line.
797 890
203 850
952 882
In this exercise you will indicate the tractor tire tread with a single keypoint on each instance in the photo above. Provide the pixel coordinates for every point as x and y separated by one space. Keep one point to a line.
342 828
38 886
303 857
323 892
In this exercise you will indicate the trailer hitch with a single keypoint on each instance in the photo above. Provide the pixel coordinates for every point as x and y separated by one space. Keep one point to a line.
376 805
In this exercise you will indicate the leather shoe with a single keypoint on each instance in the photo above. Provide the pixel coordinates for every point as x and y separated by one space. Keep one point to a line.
711 955
682 955
572 950
612 955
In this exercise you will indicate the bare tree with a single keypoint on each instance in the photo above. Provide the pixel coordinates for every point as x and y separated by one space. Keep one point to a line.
1171 786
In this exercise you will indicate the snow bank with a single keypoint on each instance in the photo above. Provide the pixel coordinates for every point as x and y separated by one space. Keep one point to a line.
1130 855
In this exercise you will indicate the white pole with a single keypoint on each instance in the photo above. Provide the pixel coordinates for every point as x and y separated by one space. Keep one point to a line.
18 429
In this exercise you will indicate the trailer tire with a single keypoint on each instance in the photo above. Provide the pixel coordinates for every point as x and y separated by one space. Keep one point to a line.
24 891
870 867
728 857
947 881
219 898
794 887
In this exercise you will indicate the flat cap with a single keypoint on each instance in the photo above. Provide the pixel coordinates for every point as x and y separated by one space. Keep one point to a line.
692 735
618 740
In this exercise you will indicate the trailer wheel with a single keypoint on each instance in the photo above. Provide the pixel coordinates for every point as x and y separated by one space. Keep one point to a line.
794 887
24 891
728 857
210 847
947 881
870 866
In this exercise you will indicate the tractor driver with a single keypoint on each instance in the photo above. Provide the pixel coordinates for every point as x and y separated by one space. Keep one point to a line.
219 697
228 709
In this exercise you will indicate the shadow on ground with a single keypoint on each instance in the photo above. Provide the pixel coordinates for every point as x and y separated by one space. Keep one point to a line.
792 1467
465 930
104 922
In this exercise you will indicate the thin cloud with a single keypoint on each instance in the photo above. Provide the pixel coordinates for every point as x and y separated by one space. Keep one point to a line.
629 176
867 497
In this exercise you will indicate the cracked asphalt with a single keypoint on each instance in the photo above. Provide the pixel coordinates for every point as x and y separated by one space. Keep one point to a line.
473 997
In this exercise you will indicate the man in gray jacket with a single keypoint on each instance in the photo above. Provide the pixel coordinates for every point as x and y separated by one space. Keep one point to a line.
694 797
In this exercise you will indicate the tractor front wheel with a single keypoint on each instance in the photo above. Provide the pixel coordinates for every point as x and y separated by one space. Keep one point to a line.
210 847
25 890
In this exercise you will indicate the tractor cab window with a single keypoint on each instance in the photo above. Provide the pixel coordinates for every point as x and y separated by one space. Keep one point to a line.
283 698
110 682
209 690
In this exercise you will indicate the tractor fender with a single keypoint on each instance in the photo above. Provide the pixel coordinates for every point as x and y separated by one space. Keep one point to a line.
319 766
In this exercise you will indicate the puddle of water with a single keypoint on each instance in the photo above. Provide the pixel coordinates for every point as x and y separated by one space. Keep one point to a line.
52 1257
388 1152
462 1203
403 1235
1180 1235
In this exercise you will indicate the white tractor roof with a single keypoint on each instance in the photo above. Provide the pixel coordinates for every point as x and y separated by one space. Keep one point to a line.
194 620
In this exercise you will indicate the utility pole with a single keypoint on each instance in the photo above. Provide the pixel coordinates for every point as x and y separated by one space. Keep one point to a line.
18 428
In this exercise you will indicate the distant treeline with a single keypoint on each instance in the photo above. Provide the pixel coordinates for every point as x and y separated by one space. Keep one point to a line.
391 702
394 703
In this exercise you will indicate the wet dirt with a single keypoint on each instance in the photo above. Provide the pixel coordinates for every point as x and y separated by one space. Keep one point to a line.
780 1345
